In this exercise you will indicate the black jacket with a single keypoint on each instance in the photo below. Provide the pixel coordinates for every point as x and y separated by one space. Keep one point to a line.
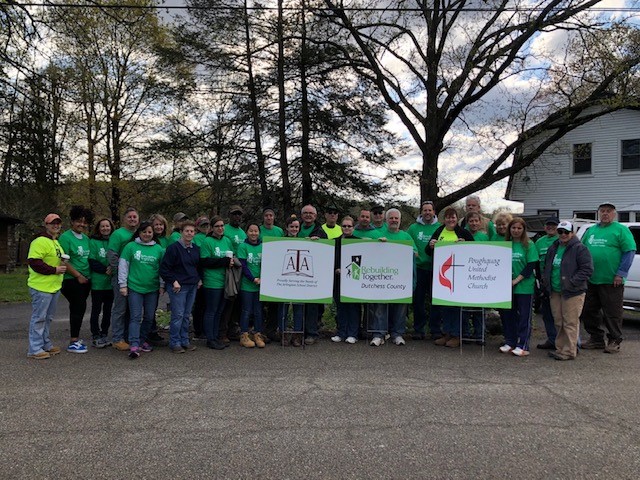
575 269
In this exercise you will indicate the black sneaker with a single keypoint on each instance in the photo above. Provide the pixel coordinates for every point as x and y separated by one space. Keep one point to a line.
157 340
216 345
546 346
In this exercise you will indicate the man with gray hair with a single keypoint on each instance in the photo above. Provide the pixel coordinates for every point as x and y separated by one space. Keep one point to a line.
472 204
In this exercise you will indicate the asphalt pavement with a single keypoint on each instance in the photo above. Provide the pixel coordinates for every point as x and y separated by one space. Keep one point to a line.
328 411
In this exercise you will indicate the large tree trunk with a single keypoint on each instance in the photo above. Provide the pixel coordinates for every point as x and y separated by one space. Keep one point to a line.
307 183
287 205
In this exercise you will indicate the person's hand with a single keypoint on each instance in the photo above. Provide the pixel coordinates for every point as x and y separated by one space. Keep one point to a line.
82 279
124 291
460 240
514 282
108 272
199 283
313 238
432 243
176 286
618 281
256 281
60 269
382 239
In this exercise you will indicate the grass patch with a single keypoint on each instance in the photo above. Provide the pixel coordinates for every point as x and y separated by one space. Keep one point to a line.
13 286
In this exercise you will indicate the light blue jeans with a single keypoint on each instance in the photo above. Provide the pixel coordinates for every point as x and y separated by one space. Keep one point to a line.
118 311
44 308
181 305
142 308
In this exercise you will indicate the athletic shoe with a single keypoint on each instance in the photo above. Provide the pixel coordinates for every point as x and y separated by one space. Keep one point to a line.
336 339
593 345
121 346
177 349
54 351
310 340
519 352
100 342
39 356
377 341
351 340
505 348
134 352
613 346
145 347
215 345
189 347
399 340
77 347
547 345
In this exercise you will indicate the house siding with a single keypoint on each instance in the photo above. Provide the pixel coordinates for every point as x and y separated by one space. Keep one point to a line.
551 184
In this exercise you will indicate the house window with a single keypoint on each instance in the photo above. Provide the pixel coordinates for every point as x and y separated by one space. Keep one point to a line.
549 213
581 158
587 215
631 154
623 216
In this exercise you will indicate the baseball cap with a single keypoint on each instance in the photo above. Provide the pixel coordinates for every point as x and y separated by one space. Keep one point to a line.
565 225
607 204
235 209
179 217
52 217
553 220
202 221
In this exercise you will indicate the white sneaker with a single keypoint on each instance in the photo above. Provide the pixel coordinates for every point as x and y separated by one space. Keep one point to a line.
351 340
519 352
376 342
506 348
336 339
399 340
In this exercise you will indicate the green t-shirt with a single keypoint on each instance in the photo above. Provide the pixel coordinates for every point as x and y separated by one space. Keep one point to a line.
198 239
144 266
520 257
236 235
490 230
399 235
215 248
174 237
332 232
49 251
274 231
556 280
253 255
373 234
78 249
164 241
306 231
498 238
542 245
421 234
607 243
98 252
119 239
480 236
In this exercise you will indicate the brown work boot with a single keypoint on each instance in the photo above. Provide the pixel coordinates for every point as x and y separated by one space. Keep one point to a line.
453 342
258 339
296 340
286 339
442 341
245 341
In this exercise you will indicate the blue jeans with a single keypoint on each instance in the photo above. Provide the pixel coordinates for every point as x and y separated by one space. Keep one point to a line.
142 308
283 313
451 320
348 319
44 308
118 311
181 305
420 294
310 311
516 323
377 319
250 305
214 306
547 318
397 319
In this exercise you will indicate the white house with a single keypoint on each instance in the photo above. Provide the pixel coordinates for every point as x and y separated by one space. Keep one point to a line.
595 163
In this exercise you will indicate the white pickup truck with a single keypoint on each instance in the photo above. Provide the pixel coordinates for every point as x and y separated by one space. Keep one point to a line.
632 284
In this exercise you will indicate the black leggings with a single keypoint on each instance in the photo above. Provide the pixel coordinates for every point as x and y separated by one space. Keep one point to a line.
76 294
101 300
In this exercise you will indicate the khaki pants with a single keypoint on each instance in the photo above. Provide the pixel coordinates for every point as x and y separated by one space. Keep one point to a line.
566 314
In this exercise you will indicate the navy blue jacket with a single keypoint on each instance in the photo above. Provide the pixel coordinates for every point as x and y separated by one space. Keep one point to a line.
181 264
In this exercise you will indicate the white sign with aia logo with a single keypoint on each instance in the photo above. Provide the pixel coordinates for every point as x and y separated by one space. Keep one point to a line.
472 274
376 272
297 270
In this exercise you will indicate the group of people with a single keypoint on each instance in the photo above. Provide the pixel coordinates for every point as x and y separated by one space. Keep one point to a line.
211 270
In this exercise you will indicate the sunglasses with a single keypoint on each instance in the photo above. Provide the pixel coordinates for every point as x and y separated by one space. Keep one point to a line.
347 226
562 231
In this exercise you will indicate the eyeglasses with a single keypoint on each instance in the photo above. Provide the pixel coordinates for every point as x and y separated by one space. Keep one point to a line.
347 226
562 231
